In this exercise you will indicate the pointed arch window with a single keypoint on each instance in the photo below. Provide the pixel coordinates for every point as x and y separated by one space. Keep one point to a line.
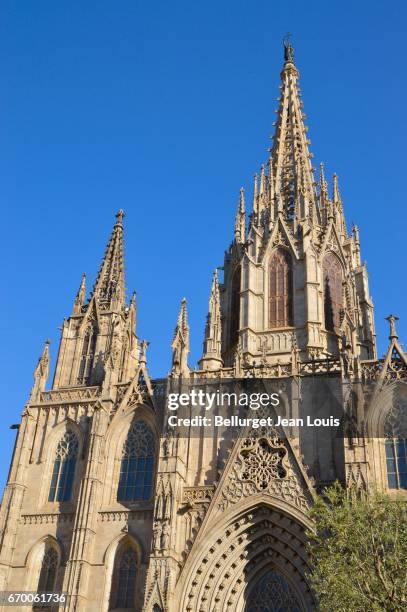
280 290
235 306
48 574
272 593
88 356
63 472
137 464
396 446
333 298
124 580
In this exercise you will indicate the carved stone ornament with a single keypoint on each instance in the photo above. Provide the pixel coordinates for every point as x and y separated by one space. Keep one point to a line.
263 465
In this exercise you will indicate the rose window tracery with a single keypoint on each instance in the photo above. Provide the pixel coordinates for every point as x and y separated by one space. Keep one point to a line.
262 461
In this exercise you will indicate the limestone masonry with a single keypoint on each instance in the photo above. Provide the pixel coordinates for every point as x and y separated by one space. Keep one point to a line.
107 504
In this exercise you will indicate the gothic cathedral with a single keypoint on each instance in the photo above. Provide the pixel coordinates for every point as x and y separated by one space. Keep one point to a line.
105 503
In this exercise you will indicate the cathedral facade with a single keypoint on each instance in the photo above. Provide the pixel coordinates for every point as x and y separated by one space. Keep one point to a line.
108 504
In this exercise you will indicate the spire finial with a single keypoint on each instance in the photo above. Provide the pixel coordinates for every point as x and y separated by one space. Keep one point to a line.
120 216
392 321
288 49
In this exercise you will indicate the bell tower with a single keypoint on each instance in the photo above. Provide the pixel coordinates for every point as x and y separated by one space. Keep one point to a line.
294 279
98 342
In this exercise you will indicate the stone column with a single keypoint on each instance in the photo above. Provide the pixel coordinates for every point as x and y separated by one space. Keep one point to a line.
78 566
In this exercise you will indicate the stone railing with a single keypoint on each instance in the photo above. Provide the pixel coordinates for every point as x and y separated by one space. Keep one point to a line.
76 394
371 370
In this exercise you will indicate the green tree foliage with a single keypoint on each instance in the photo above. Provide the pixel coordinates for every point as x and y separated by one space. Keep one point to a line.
358 552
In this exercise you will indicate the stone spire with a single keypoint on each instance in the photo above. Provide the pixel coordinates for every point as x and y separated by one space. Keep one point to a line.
41 373
109 286
212 348
323 187
336 196
180 343
80 296
240 223
293 173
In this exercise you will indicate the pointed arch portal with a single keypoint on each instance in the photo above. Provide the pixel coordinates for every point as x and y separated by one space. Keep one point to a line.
260 550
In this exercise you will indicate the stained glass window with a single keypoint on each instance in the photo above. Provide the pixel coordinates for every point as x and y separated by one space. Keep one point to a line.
124 579
48 572
63 472
333 297
395 431
137 464
272 593
280 290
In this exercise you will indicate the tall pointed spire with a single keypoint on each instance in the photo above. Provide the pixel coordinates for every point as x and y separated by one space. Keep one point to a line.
109 286
336 196
212 347
293 173
240 222
80 296
323 187
41 373
180 343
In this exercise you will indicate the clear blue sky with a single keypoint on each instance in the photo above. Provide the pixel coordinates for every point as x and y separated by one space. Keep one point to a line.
165 109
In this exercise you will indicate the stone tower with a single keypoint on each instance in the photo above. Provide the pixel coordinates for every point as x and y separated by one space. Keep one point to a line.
109 504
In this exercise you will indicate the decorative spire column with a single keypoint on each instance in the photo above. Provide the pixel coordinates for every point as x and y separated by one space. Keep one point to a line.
80 296
212 348
240 223
180 343
41 374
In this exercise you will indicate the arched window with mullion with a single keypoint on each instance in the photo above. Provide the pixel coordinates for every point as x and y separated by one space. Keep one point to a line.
333 294
137 464
395 432
87 356
280 290
63 473
48 573
124 579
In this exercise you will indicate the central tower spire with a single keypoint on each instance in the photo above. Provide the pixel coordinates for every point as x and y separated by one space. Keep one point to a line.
109 285
293 174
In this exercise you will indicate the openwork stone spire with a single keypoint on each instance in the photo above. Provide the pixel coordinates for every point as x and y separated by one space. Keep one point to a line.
41 373
212 359
109 286
293 173
80 296
180 343
240 223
